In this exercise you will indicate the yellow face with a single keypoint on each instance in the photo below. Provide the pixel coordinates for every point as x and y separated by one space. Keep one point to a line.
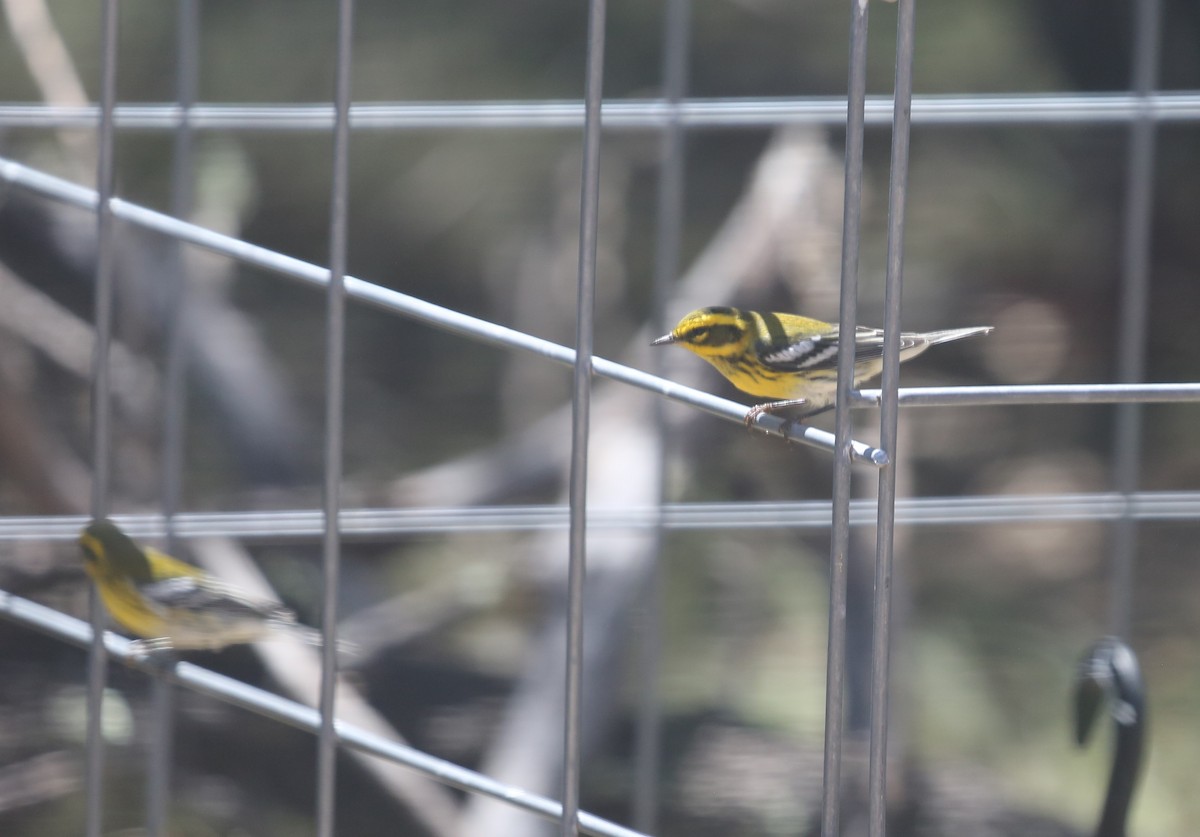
712 332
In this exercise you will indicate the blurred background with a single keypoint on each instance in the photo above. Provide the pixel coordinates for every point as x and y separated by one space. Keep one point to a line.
1017 226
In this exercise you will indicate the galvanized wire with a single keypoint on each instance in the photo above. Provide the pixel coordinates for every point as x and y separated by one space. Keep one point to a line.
839 546
889 421
162 704
581 399
1012 395
335 389
623 114
1133 307
182 196
380 525
101 402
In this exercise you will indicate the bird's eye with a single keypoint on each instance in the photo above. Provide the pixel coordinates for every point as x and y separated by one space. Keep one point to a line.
700 335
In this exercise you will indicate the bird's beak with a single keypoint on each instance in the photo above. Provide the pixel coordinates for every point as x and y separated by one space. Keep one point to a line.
665 340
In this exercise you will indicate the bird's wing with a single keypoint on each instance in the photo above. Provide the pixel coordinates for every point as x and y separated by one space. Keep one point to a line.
819 352
193 593
805 354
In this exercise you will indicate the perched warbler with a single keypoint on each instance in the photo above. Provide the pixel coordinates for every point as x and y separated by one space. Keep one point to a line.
790 358
173 605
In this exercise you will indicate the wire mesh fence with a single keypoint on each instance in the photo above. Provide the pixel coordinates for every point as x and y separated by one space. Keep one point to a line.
618 522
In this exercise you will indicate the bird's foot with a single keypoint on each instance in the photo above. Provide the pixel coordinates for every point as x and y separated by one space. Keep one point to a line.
769 407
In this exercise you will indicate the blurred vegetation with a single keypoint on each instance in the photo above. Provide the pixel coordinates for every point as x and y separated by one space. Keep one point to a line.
1018 226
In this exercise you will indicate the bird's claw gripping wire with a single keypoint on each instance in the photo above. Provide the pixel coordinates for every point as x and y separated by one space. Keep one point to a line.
772 407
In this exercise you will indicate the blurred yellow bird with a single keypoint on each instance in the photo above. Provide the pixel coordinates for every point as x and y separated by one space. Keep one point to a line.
173 605
790 358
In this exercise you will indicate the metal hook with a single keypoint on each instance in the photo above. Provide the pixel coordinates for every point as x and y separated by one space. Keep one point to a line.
1109 674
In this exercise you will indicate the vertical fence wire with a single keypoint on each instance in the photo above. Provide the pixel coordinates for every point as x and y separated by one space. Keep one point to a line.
101 405
669 227
581 395
162 691
889 420
187 72
1134 299
835 677
335 349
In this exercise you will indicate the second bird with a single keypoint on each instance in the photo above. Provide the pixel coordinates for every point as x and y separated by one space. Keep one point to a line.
173 605
790 358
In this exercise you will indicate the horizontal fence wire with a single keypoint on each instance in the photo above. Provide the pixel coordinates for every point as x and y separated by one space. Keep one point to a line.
1048 109
1030 394
77 632
386 523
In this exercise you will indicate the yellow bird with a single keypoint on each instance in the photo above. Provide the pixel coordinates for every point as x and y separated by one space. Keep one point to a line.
790 358
173 605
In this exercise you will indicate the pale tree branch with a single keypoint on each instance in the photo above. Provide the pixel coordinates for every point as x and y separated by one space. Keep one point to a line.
45 54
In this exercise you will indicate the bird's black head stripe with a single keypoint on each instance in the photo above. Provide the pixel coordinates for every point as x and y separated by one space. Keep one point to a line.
714 335
776 334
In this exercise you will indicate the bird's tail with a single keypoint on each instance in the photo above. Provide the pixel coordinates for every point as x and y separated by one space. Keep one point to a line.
932 338
313 637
